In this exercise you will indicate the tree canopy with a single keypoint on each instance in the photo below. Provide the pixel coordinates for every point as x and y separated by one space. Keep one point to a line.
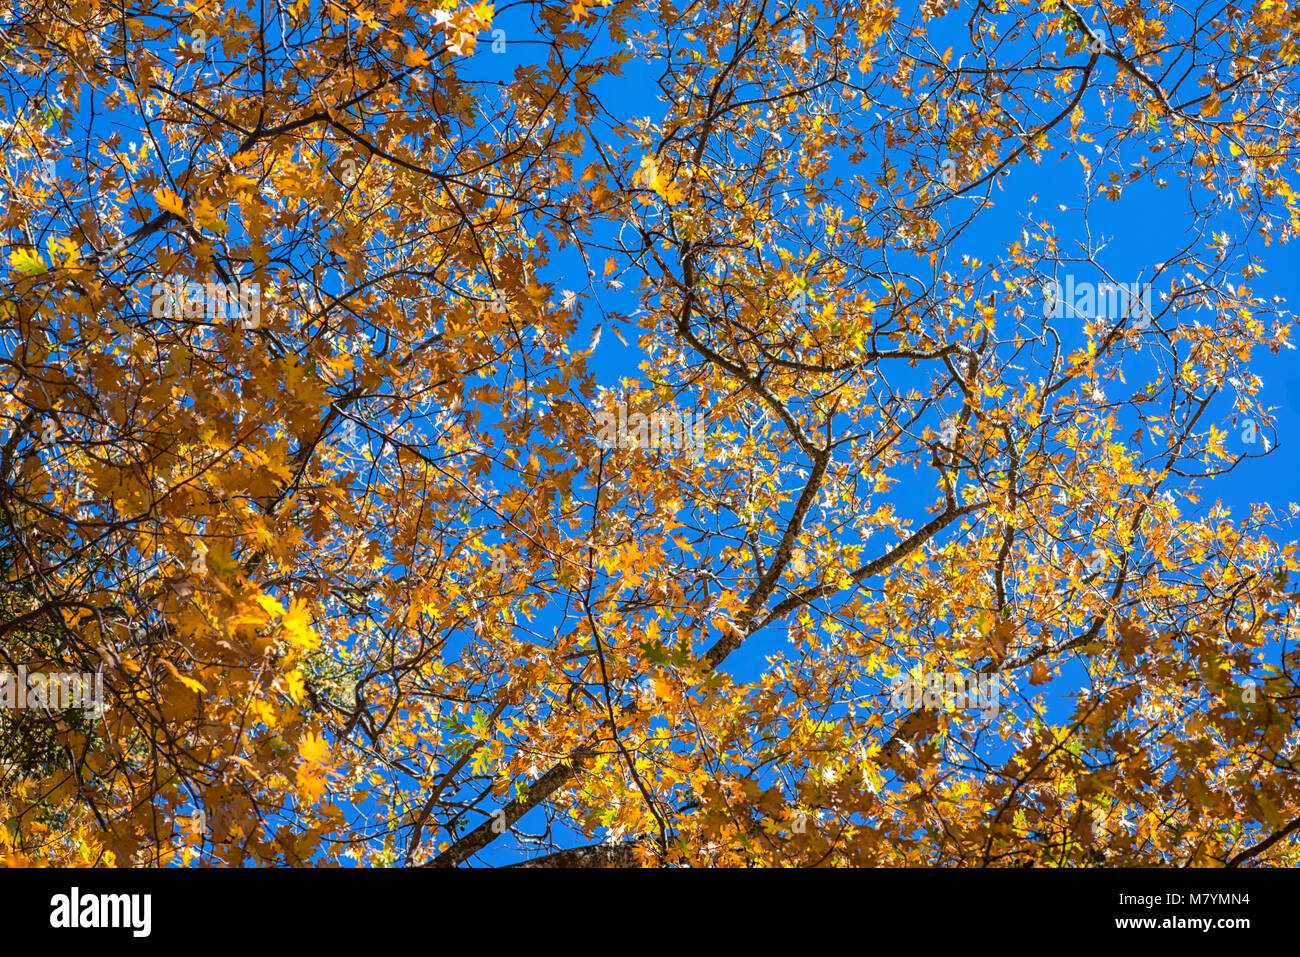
713 433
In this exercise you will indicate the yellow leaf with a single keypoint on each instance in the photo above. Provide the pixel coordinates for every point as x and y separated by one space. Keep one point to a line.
187 682
272 606
649 177
64 251
169 201
314 749
297 625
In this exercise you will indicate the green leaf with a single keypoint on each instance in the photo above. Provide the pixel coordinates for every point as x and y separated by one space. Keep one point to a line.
27 261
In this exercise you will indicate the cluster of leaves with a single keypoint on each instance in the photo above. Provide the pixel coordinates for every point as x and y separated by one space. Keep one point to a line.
276 538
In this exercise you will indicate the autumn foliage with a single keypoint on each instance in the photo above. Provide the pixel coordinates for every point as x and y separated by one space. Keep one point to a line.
366 585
